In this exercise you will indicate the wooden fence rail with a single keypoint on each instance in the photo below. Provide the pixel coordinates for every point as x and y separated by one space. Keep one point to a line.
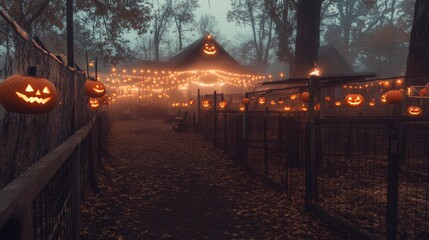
18 209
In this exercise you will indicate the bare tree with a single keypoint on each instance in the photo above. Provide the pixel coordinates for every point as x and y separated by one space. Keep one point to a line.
418 56
208 24
161 19
183 14
254 14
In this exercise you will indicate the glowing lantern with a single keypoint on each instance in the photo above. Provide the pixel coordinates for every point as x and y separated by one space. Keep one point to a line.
209 49
327 99
94 88
383 98
261 100
303 108
273 102
222 104
414 110
304 96
287 108
393 96
337 103
28 93
292 97
315 72
191 101
206 103
354 100
245 101
93 103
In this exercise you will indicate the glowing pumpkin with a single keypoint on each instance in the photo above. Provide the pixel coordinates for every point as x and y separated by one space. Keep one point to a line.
383 98
242 108
393 96
28 93
222 104
337 103
94 88
287 108
372 103
209 49
261 100
354 100
191 101
245 101
303 108
304 96
280 101
293 97
414 111
205 103
273 102
93 103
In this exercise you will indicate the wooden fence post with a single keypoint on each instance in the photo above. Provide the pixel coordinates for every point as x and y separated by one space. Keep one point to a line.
215 119
265 132
75 197
93 158
19 226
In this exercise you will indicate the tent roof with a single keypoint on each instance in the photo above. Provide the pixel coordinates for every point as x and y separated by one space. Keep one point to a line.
195 56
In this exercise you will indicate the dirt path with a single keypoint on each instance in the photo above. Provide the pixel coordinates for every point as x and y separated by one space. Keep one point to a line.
163 185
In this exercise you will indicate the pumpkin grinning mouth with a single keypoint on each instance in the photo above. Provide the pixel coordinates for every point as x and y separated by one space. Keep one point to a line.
99 91
33 99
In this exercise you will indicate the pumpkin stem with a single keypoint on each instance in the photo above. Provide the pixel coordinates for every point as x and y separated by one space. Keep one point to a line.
31 71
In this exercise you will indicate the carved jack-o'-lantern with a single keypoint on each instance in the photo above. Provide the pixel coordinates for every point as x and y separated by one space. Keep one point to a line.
372 103
337 103
94 88
261 100
242 108
393 96
354 100
205 103
273 102
304 96
93 103
191 101
209 49
245 101
292 96
414 111
280 101
383 98
222 104
303 108
28 93
287 108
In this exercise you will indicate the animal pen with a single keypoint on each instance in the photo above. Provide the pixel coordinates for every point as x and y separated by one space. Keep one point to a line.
364 169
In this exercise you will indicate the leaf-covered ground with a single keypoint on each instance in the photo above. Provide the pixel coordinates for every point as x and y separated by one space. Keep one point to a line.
158 184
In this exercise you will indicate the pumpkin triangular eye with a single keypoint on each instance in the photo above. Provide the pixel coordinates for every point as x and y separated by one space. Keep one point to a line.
350 98
29 88
46 90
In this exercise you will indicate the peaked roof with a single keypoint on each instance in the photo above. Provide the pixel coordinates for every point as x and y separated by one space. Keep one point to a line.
205 53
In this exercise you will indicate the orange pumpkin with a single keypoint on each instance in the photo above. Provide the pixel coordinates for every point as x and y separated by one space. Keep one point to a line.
393 96
304 96
93 103
222 104
327 99
261 100
414 111
423 92
209 49
354 99
94 88
205 103
28 93
245 101
191 101
337 103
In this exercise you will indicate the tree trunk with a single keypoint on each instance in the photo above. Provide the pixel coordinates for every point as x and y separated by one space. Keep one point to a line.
307 37
418 55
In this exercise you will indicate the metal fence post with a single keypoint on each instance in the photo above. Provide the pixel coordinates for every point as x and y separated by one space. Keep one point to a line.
311 174
265 120
245 132
393 181
215 119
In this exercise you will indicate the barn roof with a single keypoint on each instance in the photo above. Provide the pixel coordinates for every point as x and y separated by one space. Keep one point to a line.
205 53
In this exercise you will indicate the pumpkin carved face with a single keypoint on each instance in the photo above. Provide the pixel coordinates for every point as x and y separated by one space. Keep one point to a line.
222 104
94 88
93 103
209 49
28 94
261 100
287 108
354 100
414 110
206 103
